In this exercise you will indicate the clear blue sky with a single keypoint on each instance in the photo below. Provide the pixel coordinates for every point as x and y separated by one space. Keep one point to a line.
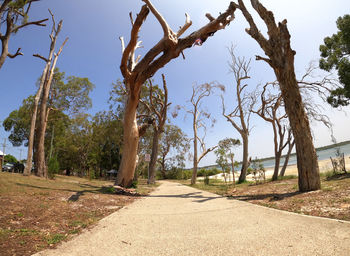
94 51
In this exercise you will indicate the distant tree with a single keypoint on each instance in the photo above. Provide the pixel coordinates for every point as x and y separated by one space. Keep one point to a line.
201 119
224 154
173 147
137 71
335 53
13 17
240 116
280 56
18 123
10 159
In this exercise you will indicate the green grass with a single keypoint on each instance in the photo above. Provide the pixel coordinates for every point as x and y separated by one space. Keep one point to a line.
55 238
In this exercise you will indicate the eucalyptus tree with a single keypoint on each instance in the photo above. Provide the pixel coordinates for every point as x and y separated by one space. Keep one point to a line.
280 56
137 71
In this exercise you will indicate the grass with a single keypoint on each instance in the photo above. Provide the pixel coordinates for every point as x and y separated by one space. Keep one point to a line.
37 213
332 200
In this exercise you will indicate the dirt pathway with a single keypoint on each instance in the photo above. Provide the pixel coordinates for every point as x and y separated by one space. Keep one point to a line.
180 220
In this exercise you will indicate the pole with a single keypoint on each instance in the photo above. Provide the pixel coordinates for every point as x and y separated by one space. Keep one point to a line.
3 151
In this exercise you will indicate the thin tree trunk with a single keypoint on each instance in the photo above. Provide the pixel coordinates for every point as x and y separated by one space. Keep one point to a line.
283 170
233 171
195 151
277 165
154 155
308 171
28 168
130 143
243 175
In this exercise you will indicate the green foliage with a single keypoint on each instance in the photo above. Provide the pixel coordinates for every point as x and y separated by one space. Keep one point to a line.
53 167
18 123
10 159
208 172
335 54
176 173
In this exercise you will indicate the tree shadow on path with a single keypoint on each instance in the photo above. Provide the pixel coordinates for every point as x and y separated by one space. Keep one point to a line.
194 195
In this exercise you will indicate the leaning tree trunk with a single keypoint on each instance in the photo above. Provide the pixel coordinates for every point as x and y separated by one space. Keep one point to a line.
243 175
277 165
130 143
308 171
152 164
281 59
286 160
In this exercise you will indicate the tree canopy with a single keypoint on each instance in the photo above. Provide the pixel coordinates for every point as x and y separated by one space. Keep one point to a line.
335 53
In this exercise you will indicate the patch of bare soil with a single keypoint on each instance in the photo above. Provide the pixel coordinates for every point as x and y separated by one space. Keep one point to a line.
36 213
332 201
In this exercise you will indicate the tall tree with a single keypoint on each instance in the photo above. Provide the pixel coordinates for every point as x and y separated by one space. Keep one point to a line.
335 53
157 106
137 71
43 93
46 87
14 16
200 119
240 116
280 57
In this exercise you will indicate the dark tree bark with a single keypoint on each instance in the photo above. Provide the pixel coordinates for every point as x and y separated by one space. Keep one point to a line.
158 106
280 57
136 72
286 160
12 16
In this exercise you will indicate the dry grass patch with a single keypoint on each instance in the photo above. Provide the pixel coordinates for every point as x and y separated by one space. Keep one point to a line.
36 213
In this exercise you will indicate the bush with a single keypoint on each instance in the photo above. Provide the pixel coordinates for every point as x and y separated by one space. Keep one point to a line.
206 180
53 167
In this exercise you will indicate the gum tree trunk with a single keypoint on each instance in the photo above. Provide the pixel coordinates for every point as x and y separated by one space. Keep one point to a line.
130 143
245 161
152 164
308 171
280 56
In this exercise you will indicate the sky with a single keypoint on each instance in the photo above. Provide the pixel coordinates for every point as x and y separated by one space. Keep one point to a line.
93 50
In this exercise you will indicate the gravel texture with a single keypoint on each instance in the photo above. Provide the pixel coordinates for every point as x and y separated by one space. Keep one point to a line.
180 220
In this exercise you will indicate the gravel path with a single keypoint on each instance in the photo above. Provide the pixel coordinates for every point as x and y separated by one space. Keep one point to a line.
180 220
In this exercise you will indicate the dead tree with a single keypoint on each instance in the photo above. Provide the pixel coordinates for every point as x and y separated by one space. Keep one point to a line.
270 111
158 106
137 71
50 63
43 94
280 57
200 116
240 116
14 17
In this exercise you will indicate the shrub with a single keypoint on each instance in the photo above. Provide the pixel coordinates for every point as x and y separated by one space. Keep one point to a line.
53 167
